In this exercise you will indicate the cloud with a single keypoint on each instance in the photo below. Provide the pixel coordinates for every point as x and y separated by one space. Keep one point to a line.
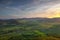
28 8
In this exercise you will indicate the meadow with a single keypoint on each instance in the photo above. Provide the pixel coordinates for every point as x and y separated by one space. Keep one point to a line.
30 29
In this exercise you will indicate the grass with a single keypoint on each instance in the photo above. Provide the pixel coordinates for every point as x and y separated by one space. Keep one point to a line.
30 30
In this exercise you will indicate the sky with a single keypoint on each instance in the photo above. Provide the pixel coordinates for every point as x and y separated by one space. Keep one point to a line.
29 8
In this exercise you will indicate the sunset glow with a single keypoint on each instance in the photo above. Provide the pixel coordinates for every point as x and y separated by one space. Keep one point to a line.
29 9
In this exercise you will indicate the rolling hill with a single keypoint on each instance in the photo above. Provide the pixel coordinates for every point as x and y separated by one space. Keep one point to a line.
30 29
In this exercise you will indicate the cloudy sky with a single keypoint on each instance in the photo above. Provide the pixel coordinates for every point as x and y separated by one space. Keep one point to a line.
29 8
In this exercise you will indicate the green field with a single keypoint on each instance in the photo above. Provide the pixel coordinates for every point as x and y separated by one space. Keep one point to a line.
30 30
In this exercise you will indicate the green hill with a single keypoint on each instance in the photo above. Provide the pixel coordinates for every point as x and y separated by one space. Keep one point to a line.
30 29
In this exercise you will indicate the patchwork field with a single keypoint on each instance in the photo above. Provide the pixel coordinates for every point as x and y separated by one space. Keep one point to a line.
30 29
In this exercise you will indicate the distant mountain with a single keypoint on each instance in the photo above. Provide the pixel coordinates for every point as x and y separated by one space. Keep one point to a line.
15 21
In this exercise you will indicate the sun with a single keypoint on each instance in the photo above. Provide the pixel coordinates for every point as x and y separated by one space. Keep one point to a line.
56 13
